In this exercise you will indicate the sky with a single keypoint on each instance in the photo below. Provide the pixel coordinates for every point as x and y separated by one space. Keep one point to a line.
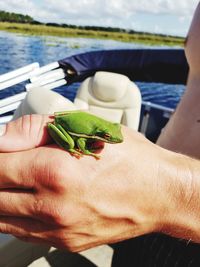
156 16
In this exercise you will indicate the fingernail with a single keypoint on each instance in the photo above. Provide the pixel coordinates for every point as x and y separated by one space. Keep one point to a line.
2 129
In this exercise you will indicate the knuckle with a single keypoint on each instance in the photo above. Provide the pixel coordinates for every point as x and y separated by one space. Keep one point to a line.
67 244
57 177
72 243
49 176
56 216
38 206
29 125
50 211
25 124
73 247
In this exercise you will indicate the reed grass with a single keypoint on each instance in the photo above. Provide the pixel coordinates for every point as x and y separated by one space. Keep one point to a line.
150 39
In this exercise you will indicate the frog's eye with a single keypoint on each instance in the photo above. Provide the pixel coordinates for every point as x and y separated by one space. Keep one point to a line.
106 135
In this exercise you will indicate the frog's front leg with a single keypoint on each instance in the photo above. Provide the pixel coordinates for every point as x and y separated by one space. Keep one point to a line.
82 145
62 138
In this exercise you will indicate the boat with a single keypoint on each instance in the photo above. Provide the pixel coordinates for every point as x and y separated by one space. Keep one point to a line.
139 65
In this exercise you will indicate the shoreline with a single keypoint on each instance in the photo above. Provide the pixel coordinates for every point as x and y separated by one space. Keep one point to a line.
44 30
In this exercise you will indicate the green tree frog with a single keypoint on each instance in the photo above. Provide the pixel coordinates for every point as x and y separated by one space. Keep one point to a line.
83 133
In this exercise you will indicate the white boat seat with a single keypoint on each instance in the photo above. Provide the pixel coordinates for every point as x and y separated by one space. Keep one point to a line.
43 101
112 96
109 95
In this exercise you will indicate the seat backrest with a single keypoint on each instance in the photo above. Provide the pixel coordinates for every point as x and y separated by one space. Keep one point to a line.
43 101
112 96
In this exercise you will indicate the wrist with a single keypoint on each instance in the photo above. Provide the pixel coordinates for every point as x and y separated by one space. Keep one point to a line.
182 218
154 192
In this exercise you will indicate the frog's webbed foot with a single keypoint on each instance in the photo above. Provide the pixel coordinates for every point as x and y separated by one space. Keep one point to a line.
81 143
75 153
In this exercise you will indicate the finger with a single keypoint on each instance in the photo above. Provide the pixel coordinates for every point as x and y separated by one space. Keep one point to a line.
21 227
17 203
29 230
17 169
32 169
27 132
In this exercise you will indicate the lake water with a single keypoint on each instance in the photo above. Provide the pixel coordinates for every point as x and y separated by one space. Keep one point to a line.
17 50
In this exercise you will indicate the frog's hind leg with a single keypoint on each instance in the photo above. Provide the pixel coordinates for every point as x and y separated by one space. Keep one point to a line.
81 143
62 138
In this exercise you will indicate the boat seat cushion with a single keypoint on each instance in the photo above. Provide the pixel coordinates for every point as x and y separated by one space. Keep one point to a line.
111 96
114 115
43 101
108 87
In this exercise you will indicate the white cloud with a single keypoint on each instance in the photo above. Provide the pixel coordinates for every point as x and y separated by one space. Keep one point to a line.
119 13
178 7
12 5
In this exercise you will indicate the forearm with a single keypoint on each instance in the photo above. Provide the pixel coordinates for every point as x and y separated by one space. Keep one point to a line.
182 218
181 134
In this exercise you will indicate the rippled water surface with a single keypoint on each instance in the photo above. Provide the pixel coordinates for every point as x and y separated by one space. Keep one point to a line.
18 50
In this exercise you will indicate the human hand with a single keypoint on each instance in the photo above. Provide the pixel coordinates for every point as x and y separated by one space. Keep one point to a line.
27 132
48 196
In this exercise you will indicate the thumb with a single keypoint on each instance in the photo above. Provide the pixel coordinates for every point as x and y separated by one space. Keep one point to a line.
27 132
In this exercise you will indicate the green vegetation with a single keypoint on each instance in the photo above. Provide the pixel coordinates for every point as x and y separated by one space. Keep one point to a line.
13 17
24 24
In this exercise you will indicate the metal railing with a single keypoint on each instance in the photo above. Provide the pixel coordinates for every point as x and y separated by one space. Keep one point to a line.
46 77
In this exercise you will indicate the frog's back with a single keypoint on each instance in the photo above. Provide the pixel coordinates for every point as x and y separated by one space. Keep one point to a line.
82 123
